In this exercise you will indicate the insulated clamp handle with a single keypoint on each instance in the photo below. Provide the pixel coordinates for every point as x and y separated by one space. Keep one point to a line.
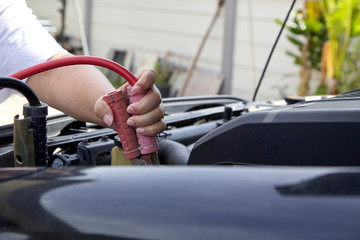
118 103
147 144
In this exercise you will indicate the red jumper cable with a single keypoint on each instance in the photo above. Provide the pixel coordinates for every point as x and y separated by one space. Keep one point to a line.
77 60
116 100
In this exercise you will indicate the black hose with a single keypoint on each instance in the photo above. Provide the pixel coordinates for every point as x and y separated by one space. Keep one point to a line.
173 153
37 111
23 88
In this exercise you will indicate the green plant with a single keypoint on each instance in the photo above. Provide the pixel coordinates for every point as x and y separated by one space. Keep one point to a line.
161 66
164 69
350 77
342 20
308 33
322 32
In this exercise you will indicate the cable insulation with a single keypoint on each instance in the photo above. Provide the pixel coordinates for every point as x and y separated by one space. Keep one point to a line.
77 60
272 50
23 88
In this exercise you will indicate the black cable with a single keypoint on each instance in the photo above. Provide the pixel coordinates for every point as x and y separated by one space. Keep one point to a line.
272 50
23 88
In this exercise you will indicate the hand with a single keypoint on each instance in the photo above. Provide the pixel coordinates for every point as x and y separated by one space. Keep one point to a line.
149 112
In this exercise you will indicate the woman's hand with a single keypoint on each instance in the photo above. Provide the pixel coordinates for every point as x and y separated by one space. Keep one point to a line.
148 113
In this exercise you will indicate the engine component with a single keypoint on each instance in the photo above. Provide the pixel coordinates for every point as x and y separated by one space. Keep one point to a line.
117 154
24 150
173 153
316 133
38 114
7 156
95 153
30 138
63 160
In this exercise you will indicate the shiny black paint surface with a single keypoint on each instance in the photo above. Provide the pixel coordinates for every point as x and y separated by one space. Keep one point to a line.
182 203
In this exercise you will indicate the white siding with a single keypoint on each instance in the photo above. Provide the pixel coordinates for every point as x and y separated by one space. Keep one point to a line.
159 26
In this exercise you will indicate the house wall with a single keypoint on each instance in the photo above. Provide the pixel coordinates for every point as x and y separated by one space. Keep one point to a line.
160 27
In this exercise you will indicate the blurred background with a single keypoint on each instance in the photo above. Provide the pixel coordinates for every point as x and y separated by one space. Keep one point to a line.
224 45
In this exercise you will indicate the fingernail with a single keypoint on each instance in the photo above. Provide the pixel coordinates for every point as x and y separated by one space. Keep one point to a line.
130 110
107 120
135 90
131 123
140 130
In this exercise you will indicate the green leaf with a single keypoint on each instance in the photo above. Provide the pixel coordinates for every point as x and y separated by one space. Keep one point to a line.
296 30
313 26
355 23
295 41
321 90
297 59
278 21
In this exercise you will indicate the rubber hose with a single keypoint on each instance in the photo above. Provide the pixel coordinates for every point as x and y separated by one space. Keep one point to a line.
23 88
173 153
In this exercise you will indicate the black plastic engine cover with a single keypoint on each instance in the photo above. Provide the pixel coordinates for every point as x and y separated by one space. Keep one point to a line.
317 133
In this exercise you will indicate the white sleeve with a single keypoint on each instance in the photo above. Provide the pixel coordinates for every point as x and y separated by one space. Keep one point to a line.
23 40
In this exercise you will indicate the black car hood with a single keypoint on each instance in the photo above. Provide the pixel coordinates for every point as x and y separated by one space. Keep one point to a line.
182 203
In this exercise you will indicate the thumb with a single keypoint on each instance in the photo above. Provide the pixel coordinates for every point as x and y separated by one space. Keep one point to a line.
103 111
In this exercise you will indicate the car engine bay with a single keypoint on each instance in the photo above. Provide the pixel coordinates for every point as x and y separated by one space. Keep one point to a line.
218 130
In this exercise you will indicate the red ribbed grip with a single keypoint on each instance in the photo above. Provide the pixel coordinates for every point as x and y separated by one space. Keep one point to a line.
147 144
118 103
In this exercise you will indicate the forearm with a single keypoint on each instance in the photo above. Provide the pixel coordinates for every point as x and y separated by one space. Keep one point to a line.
73 90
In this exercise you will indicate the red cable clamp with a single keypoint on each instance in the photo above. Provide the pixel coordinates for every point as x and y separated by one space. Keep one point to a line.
118 103
147 144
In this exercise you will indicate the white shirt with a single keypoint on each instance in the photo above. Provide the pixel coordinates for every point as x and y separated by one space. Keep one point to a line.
23 40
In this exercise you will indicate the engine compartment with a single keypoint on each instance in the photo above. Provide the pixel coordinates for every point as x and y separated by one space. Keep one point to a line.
207 130
74 143
219 130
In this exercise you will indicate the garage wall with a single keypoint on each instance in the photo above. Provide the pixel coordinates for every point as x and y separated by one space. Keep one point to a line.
158 27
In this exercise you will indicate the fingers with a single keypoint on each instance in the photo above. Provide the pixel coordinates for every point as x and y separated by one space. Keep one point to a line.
148 113
150 123
152 130
103 111
146 79
150 101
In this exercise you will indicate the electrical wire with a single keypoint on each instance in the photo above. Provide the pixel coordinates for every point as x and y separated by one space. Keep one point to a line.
272 50
23 88
77 60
